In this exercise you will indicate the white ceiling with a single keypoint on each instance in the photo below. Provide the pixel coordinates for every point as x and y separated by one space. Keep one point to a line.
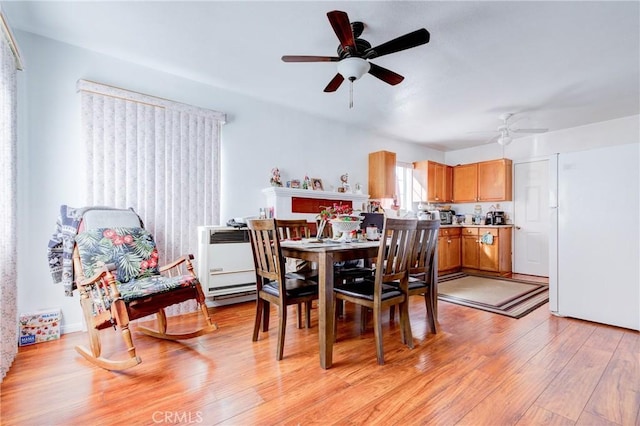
556 64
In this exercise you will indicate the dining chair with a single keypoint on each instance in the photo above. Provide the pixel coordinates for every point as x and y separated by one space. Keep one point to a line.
364 268
273 287
422 269
376 294
296 229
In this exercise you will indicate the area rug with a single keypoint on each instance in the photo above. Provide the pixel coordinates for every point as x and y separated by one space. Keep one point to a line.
513 298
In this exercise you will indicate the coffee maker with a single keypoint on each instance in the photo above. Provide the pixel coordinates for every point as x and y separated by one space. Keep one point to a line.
496 218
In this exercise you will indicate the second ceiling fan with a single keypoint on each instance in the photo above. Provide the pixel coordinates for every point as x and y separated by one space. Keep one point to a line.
355 53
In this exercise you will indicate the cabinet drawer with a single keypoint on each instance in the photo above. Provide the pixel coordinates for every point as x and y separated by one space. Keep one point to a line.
451 232
492 231
470 231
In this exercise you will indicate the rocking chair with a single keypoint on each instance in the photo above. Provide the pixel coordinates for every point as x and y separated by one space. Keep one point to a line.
117 274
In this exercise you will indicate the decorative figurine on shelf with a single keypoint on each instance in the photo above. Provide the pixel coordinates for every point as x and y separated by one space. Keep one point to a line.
306 183
275 177
358 188
344 183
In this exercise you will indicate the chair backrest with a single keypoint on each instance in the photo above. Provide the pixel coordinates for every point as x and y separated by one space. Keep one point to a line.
395 250
115 236
291 229
132 251
424 247
267 254
97 217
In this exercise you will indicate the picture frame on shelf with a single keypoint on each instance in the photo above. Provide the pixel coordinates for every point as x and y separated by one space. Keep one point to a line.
295 183
316 184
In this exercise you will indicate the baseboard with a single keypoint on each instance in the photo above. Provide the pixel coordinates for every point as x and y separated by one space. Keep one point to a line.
72 328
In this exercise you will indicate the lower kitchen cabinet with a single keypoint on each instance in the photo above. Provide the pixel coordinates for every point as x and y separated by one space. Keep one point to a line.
486 250
449 250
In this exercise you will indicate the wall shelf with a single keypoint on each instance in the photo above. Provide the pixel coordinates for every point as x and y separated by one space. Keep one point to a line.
291 203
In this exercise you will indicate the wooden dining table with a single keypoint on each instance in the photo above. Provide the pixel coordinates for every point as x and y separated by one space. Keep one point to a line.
325 254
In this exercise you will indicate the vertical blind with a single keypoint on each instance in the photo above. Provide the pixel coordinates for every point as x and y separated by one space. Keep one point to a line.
9 63
160 157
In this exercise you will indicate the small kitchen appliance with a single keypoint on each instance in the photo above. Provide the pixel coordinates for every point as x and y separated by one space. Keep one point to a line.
446 217
498 218
489 218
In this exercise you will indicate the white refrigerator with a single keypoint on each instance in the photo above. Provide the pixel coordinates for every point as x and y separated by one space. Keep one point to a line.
595 235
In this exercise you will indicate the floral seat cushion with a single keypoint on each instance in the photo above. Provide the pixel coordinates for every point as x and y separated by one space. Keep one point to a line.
147 286
135 256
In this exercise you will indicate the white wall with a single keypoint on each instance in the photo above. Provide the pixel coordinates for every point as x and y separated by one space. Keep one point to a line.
258 137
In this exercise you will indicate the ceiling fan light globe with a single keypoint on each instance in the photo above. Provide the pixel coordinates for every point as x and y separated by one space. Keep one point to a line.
353 68
504 140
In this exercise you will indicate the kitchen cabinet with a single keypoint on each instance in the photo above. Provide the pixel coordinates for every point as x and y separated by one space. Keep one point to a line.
465 183
482 257
449 250
437 179
382 174
485 181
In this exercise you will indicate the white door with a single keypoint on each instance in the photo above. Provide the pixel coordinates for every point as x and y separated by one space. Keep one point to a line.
531 218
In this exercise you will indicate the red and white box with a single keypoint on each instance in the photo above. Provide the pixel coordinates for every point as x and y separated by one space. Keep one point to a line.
39 326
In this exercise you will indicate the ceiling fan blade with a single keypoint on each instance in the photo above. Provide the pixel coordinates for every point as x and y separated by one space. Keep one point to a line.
493 139
299 58
385 75
334 83
529 130
340 22
407 41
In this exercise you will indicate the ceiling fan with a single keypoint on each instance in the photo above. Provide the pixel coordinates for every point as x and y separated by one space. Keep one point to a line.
354 53
505 130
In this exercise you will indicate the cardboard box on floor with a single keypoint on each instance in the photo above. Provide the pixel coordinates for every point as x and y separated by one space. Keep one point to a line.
39 326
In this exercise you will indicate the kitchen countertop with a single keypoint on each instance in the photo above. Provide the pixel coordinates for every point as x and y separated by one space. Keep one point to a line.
463 225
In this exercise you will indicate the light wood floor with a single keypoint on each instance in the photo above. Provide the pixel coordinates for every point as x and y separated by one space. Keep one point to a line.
481 368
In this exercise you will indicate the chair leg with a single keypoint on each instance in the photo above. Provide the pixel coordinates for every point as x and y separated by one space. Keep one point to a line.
392 312
94 335
299 314
119 313
377 331
256 326
363 318
340 309
282 327
266 311
335 302
307 306
431 319
161 318
405 324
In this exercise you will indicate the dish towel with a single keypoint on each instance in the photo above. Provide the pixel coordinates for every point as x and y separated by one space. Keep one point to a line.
487 239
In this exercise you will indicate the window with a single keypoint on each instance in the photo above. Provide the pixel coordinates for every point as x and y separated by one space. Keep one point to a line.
404 185
160 157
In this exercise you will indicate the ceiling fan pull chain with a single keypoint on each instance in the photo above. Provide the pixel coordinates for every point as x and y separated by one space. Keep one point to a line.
351 94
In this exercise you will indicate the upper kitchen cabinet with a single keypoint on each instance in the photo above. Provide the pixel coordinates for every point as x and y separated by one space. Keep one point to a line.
437 179
382 174
484 181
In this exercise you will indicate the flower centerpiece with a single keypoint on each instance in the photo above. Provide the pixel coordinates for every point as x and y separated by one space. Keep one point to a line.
342 220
